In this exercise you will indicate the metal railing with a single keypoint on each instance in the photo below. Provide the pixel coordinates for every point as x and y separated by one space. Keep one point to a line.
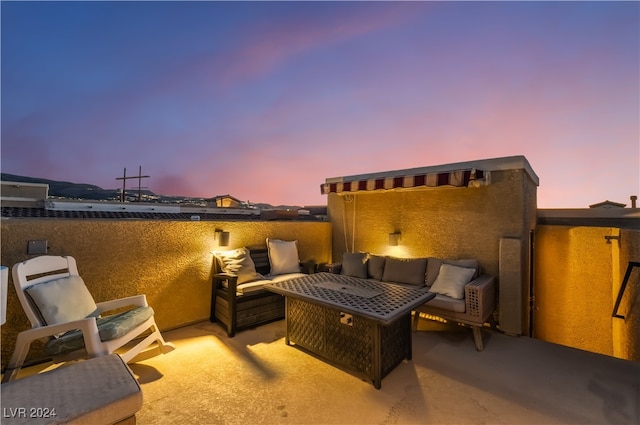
627 275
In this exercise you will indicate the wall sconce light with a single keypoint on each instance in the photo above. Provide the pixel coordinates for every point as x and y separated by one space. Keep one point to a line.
222 237
394 238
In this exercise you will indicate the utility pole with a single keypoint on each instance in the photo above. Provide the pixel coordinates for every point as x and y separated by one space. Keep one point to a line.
124 179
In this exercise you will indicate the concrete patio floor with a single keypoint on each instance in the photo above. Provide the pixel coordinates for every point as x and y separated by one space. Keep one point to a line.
255 378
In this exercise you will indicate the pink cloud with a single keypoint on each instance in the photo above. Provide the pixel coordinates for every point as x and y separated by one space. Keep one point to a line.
277 41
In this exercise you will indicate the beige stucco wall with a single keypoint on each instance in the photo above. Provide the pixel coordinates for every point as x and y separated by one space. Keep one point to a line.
169 261
440 222
626 332
577 279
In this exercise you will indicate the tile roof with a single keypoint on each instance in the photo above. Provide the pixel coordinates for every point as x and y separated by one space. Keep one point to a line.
21 212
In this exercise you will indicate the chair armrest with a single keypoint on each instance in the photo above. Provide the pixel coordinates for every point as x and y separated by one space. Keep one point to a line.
232 281
334 268
136 300
87 326
480 297
308 267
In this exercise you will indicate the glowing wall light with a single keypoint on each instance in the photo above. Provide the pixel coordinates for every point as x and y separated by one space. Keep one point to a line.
222 237
394 238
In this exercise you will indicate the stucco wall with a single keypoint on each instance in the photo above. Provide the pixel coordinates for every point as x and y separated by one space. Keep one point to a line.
577 279
169 261
626 332
440 222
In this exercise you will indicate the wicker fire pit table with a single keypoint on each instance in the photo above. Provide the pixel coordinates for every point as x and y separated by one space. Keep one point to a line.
361 326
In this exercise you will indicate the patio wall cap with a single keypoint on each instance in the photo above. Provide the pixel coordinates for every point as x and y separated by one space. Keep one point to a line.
493 164
589 213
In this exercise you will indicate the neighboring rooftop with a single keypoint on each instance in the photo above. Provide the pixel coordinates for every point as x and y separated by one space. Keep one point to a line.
608 204
625 218
29 199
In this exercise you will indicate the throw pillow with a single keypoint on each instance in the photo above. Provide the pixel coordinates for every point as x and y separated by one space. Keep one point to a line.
283 256
238 262
405 270
433 266
63 300
354 264
451 281
376 266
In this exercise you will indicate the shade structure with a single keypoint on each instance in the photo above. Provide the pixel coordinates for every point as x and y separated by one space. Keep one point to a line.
471 177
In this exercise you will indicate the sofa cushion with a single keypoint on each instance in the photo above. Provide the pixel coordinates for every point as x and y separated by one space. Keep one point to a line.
433 267
355 264
405 270
283 256
446 303
376 266
63 300
451 281
238 262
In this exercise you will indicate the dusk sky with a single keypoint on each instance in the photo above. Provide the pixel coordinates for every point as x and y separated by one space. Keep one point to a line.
265 100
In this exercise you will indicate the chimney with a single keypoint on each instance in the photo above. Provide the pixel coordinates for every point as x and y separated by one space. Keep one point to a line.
634 198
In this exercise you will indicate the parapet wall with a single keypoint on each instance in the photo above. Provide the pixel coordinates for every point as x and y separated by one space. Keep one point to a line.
169 261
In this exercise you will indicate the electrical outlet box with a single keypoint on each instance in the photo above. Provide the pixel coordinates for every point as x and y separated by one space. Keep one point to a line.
346 319
37 247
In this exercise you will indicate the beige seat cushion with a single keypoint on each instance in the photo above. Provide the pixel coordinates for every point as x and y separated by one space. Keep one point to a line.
258 285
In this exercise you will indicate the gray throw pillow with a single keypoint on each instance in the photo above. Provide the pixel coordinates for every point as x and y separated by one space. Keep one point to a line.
433 267
354 264
451 281
405 270
376 266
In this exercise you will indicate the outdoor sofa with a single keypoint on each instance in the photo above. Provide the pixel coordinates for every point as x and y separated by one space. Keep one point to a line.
238 298
464 294
239 301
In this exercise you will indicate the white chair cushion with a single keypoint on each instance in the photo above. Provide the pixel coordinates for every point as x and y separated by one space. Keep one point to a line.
283 256
63 300
238 262
451 280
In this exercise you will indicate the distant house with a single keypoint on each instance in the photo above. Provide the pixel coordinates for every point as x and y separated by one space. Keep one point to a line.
227 201
21 193
608 204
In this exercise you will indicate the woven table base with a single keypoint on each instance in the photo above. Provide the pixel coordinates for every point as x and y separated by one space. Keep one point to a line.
360 346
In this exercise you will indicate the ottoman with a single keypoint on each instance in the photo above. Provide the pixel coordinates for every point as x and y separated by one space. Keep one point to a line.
101 390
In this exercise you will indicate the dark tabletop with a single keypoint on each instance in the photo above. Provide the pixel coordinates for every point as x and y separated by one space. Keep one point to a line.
380 301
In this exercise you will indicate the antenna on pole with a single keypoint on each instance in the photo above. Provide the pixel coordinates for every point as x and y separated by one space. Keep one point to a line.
124 179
